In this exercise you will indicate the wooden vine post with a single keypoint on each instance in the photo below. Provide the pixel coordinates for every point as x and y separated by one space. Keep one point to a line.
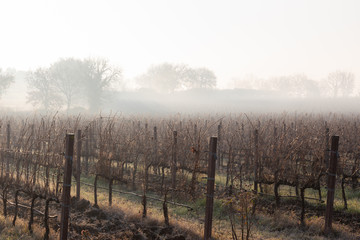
95 191
210 189
331 184
8 151
87 133
326 154
156 149
174 162
65 206
256 160
165 210
219 138
78 164
111 181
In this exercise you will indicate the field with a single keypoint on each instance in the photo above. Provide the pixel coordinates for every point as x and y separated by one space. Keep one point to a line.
141 177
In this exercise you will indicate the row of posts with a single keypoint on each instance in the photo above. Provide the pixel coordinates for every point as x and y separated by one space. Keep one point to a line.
65 203
210 183
210 180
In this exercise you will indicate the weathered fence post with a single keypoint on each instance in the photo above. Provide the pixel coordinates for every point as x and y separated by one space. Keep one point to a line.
256 160
92 145
8 151
78 164
95 191
87 133
144 205
65 206
302 195
210 189
110 190
156 169
165 210
276 173
173 164
326 152
331 183
219 147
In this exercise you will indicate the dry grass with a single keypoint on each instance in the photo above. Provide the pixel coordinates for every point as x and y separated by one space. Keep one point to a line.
281 225
20 231
286 226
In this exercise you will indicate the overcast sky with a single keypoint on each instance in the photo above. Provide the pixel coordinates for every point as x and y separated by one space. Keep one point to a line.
232 38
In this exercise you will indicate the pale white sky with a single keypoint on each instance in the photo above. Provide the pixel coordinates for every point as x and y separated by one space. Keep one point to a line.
233 38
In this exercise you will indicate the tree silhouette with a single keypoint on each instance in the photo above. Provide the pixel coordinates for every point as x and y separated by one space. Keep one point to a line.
198 78
163 78
68 75
42 91
99 75
5 81
341 83
168 77
298 85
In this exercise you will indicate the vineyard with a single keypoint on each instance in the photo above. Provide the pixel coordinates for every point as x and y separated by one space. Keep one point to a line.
264 163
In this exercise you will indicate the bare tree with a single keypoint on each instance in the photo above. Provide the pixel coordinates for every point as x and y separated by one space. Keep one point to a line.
163 78
298 85
198 78
67 75
42 91
99 77
341 83
5 80
168 77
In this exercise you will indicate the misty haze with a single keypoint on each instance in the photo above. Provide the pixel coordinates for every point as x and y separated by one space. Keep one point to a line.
180 119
